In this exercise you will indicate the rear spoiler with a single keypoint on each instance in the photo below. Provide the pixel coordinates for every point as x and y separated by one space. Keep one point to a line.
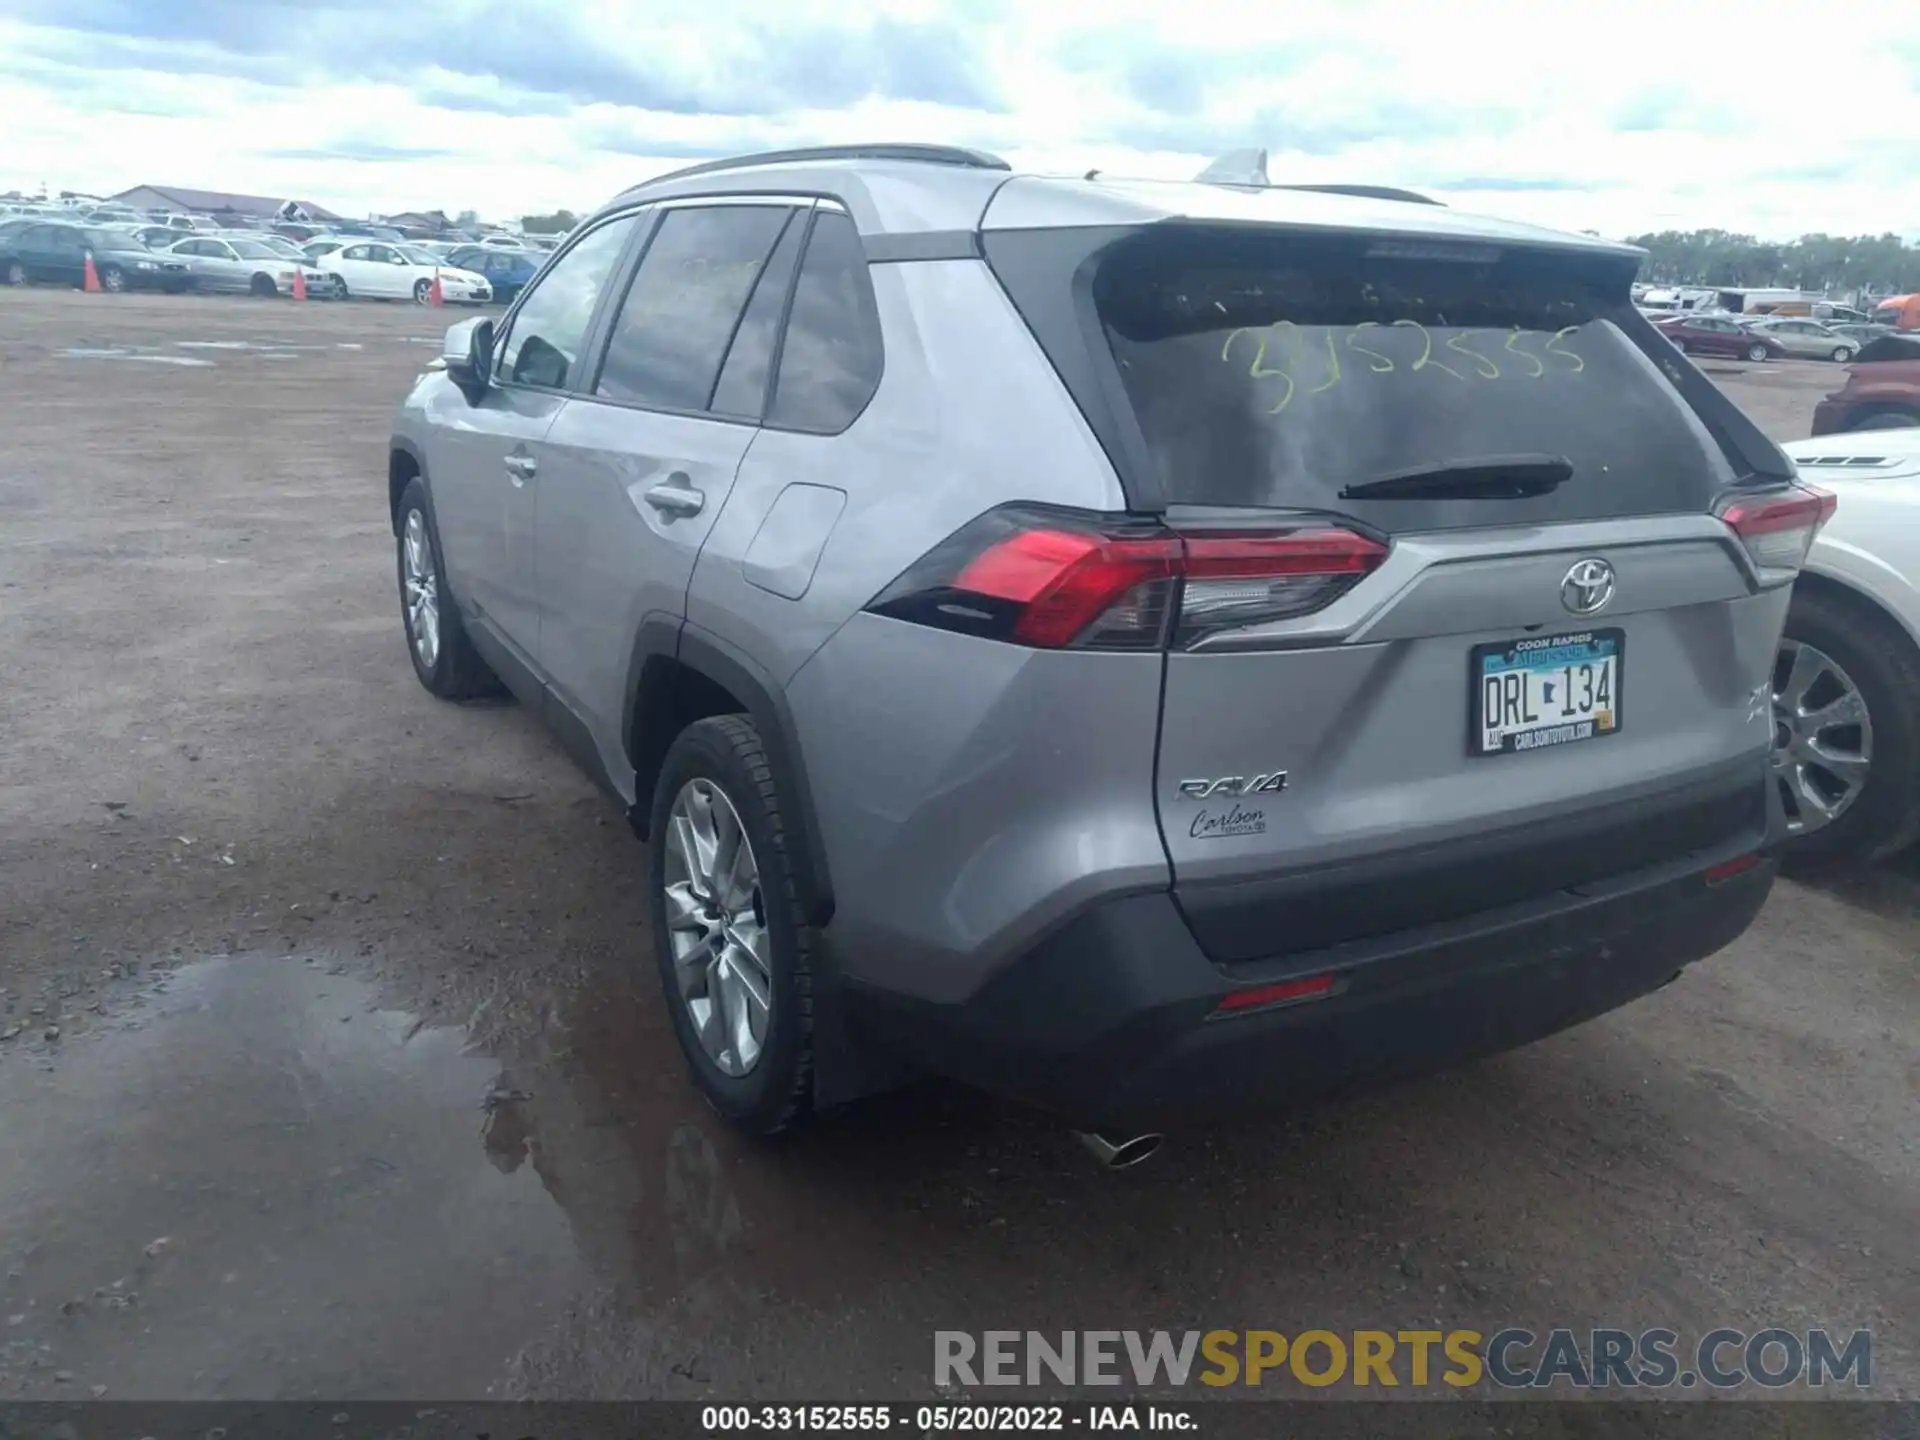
1247 169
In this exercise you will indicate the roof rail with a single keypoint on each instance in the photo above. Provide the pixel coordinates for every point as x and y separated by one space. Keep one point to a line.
1370 192
922 154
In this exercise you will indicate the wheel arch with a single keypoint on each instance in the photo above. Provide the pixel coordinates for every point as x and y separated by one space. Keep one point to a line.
404 463
680 673
1848 592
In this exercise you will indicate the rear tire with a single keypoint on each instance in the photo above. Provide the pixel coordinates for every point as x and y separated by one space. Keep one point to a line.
724 754
443 657
1881 661
1756 352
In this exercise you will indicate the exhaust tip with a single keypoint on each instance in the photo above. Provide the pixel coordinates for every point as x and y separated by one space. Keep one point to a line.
1119 1152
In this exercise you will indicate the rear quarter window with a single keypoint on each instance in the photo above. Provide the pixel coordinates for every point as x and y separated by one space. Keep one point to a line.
1271 370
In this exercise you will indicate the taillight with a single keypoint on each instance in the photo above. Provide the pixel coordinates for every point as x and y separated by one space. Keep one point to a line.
1058 579
1778 528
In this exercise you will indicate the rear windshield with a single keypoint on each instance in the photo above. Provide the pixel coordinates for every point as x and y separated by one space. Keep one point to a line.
1275 371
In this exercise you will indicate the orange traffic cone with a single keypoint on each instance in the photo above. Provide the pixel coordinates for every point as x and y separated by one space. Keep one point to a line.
92 283
434 295
299 283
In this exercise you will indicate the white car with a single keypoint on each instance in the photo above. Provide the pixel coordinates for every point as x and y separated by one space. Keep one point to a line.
374 268
1847 684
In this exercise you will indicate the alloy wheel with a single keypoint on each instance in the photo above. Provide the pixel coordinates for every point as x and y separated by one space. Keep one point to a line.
422 589
1822 737
717 925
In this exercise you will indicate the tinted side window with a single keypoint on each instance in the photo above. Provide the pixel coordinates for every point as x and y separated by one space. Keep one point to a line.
742 389
681 310
543 345
830 360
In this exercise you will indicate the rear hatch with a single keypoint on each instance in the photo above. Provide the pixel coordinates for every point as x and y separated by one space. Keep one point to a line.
1500 644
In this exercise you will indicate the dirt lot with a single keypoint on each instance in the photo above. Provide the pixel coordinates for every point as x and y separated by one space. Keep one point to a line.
337 1066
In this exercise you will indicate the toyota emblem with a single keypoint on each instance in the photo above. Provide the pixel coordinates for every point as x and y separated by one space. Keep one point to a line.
1588 587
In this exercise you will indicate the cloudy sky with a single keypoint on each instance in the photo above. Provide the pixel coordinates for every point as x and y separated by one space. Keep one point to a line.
1619 117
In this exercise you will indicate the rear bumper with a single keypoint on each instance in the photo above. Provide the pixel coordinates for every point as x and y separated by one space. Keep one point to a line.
1112 1023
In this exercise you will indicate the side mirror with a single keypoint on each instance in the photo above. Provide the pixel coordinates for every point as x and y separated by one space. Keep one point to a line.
467 354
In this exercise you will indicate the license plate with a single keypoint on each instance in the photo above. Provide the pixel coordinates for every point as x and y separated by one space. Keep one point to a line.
1545 690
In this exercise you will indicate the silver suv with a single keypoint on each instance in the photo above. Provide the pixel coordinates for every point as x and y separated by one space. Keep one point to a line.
1140 648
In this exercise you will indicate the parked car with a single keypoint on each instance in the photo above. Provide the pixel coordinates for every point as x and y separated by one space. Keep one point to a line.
504 242
373 270
1015 688
1828 313
1808 339
1847 684
1718 335
58 253
247 267
1877 395
1861 333
507 271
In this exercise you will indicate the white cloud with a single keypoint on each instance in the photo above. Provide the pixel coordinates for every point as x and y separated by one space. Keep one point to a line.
1623 118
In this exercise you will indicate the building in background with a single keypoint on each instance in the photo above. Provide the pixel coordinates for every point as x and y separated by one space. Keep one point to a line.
216 202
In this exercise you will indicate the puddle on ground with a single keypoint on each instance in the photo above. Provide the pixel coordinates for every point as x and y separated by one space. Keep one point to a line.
270 1188
258 1184
84 353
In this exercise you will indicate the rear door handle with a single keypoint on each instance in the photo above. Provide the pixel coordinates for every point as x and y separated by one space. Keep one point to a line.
522 467
676 496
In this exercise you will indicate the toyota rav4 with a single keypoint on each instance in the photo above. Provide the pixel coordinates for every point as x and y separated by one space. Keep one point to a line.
1140 648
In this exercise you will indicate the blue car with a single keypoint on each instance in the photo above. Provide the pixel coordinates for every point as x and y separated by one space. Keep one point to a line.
508 271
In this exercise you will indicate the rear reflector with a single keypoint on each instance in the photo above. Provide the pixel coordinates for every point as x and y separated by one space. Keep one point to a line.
1778 529
1259 997
1731 868
1056 579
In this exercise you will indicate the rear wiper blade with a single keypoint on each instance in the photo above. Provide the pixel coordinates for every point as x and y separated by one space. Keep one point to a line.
1483 477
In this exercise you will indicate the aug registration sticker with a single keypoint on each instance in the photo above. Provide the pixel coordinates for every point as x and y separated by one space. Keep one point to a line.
1545 690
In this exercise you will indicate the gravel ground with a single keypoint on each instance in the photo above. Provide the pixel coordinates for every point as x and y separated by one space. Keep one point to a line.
336 1067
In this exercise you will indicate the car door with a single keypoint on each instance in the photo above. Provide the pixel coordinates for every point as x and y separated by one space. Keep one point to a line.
61 256
485 489
1802 337
213 264
1722 337
351 264
641 467
382 272
502 272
